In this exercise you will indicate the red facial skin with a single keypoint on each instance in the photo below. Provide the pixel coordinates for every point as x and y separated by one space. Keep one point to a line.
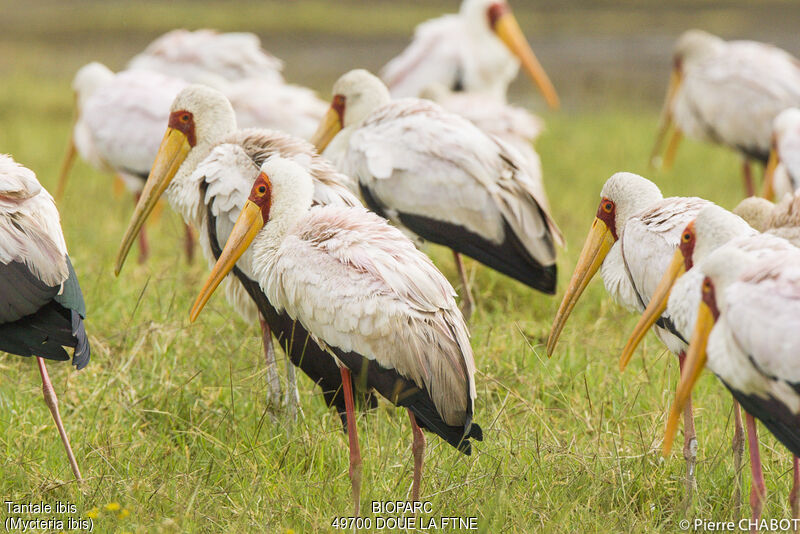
607 212
495 11
338 105
710 297
261 195
677 63
686 246
183 121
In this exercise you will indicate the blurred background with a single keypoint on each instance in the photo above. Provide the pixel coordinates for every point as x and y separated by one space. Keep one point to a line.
593 50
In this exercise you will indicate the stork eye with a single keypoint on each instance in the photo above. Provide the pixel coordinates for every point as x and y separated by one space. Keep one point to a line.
686 237
706 286
261 189
608 206
185 117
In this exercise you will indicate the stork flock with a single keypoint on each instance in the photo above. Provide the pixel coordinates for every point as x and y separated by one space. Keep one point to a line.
312 215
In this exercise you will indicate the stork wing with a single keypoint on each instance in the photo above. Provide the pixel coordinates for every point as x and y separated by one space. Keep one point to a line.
126 119
416 160
205 56
372 292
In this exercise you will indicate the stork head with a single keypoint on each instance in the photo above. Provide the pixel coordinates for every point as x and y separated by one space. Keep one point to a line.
692 46
199 117
88 80
282 192
755 211
623 195
713 227
494 17
356 95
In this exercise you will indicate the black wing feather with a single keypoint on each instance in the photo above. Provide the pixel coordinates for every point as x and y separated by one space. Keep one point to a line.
37 320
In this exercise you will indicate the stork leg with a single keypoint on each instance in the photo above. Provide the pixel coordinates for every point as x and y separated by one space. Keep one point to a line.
738 452
292 395
757 489
418 450
188 242
144 250
794 495
273 381
749 186
689 443
467 304
52 402
352 436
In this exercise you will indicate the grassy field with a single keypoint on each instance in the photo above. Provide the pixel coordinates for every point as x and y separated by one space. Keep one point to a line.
169 424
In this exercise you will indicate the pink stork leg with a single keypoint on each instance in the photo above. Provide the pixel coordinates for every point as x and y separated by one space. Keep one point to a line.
418 449
144 250
749 187
273 381
757 489
795 493
468 304
352 436
737 445
689 442
52 402
188 242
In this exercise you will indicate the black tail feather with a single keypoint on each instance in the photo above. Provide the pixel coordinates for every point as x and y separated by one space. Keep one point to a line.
403 392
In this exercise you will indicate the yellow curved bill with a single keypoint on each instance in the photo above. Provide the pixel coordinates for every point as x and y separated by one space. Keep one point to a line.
171 154
695 361
655 308
598 243
247 226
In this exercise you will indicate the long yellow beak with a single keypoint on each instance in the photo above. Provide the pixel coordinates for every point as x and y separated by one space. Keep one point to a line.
247 226
327 130
508 30
655 308
171 155
598 243
695 361
768 191
664 125
66 165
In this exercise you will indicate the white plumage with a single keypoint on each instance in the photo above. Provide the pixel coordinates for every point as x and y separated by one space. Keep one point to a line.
730 92
476 50
359 285
120 119
208 57
30 227
786 148
419 165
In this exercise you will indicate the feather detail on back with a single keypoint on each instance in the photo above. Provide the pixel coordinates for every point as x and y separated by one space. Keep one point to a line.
374 293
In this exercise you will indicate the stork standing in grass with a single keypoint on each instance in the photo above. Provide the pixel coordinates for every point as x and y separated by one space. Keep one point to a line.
207 166
633 237
679 294
366 294
727 93
746 332
439 177
41 304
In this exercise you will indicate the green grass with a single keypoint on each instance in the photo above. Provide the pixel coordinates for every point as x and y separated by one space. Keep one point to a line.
169 419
